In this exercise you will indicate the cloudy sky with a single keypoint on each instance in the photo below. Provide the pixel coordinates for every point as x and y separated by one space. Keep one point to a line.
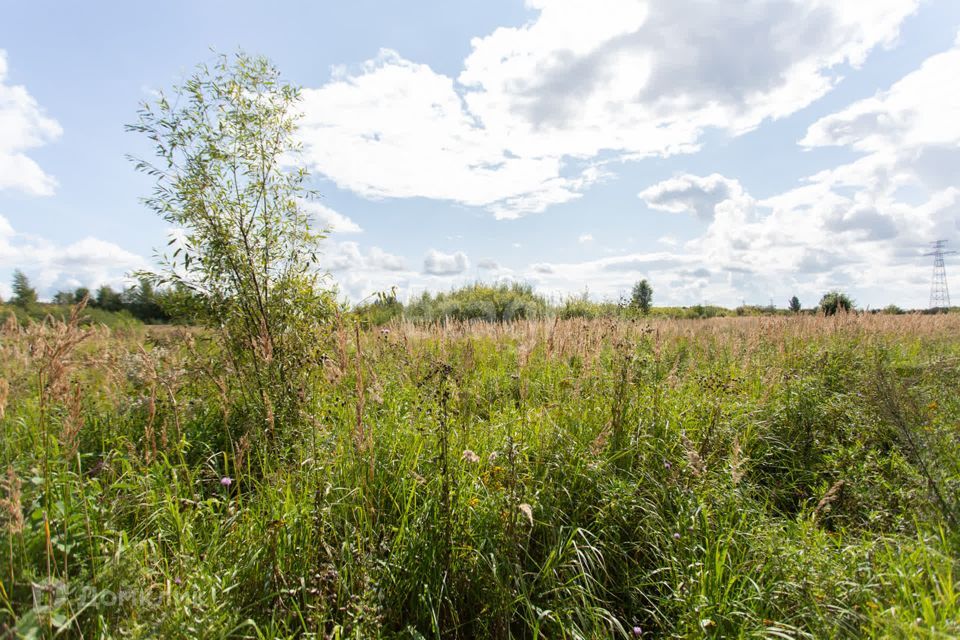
736 151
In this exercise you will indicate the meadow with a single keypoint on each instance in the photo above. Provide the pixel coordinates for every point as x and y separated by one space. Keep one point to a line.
754 477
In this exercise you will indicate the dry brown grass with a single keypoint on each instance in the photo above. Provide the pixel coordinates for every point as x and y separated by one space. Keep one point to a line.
743 335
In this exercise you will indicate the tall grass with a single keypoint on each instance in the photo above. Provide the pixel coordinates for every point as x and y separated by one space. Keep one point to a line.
733 477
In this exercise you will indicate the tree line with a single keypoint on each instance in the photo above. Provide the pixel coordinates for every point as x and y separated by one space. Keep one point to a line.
142 300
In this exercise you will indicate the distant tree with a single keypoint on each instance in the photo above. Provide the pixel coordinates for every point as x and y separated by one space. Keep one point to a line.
23 294
795 304
642 296
63 297
836 301
892 309
80 293
142 301
108 299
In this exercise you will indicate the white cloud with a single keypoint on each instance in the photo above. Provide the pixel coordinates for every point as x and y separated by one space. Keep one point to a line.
445 264
691 194
523 125
585 238
23 126
333 221
398 129
910 133
89 262
383 260
848 226
361 273
347 256
488 264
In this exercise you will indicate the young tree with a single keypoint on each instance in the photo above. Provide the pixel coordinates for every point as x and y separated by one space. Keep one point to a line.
794 304
835 301
642 296
23 294
224 174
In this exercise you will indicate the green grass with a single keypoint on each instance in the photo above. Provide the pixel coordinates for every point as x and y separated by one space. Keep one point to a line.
726 478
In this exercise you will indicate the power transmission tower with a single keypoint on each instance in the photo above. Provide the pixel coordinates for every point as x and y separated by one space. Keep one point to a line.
939 292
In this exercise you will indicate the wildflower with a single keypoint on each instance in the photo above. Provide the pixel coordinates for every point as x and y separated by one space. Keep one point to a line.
637 632
226 481
666 464
176 580
527 510
676 535
470 456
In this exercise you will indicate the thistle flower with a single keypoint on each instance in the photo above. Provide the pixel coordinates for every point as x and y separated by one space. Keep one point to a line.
676 535
470 456
637 632
226 481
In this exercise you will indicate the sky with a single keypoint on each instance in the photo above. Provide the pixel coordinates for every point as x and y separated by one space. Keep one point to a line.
729 152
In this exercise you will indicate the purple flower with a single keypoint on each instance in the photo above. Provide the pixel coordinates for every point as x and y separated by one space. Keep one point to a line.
226 481
676 536
176 580
637 631
666 464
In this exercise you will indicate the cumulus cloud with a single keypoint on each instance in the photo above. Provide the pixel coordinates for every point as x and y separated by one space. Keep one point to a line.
860 225
909 134
381 259
585 238
347 256
445 264
691 194
523 125
333 221
88 262
23 126
360 272
488 264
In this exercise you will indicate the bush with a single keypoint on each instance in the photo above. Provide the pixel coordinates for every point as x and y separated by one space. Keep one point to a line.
834 302
490 303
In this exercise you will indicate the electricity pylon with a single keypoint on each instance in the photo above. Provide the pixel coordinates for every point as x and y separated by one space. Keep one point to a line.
939 292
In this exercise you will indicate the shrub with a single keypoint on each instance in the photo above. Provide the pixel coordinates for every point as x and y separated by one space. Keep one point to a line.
836 301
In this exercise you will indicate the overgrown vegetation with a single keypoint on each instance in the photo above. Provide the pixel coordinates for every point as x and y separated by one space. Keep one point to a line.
788 477
474 464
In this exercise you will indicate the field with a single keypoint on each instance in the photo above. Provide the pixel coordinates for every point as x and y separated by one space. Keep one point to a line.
787 477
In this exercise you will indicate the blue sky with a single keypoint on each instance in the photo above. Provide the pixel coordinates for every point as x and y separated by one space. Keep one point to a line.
728 152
